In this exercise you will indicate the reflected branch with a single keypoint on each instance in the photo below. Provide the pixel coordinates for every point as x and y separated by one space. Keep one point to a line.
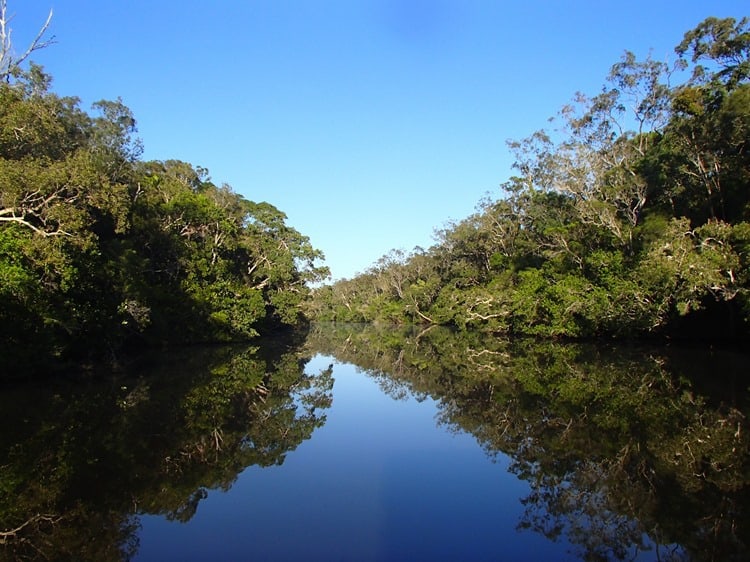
625 449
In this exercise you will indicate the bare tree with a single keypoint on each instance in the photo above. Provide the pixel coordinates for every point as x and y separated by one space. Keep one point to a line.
9 62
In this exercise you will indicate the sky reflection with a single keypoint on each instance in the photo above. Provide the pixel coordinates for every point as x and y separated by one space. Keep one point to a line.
379 481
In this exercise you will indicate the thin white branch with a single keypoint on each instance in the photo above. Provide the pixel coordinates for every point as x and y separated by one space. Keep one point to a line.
8 63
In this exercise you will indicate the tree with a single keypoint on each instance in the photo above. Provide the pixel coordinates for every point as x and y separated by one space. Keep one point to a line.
597 161
10 63
628 218
57 206
99 250
280 261
724 43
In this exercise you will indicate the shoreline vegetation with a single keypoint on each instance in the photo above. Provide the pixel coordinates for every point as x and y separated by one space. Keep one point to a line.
102 252
629 219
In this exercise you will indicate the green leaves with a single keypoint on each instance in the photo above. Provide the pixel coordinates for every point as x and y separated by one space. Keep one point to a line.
724 43
692 264
627 218
99 250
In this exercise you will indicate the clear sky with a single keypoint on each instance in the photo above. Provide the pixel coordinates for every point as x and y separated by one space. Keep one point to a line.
370 123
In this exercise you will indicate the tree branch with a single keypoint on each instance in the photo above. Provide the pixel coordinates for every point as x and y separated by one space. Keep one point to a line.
8 63
12 533
22 220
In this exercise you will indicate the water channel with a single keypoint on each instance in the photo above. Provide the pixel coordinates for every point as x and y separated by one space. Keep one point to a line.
365 443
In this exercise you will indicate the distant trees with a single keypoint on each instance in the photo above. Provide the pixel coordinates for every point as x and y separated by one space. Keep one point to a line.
631 217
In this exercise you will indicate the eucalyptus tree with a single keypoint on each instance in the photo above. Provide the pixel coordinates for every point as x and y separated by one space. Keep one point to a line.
595 154
10 62
58 202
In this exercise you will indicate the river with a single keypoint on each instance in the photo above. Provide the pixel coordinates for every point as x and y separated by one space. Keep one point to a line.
366 443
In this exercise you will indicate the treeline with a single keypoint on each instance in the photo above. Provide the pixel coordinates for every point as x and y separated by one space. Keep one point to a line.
628 218
100 249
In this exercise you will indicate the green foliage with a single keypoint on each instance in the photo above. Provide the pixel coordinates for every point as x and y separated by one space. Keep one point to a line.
718 42
628 219
99 250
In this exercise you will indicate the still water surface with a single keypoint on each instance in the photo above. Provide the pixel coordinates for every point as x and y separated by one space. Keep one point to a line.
379 481
360 443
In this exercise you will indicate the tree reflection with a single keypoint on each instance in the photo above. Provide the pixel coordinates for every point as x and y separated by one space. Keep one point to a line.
81 461
625 449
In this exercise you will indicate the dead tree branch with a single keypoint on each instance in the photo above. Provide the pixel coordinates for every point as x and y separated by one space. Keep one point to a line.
9 63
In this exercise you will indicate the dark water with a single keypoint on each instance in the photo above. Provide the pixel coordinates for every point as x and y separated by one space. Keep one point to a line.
384 444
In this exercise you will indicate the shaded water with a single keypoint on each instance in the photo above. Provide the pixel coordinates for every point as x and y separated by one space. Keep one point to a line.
368 444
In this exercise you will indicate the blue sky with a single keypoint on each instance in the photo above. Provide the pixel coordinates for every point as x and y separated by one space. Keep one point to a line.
369 123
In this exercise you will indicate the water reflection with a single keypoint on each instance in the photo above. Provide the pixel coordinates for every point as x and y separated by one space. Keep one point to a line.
83 459
625 449
628 453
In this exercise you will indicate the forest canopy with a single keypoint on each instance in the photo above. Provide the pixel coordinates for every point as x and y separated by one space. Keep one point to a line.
628 217
100 249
